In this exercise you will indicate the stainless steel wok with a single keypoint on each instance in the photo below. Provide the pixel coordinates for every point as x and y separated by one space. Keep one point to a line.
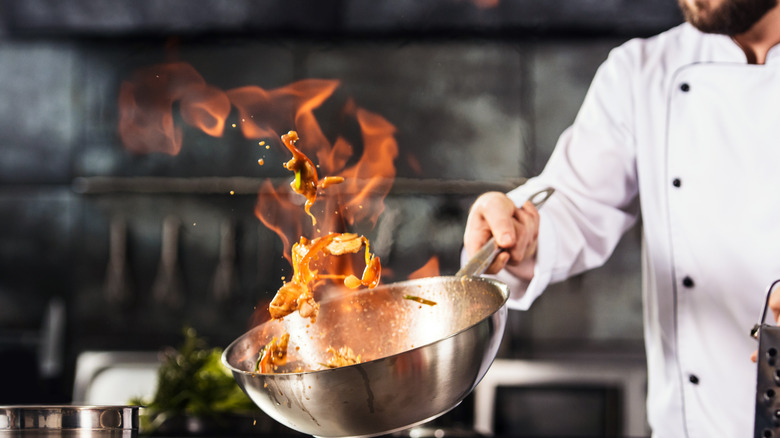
418 360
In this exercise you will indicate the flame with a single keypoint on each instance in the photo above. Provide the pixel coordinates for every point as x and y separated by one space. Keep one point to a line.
268 114
148 124
486 4
146 119
367 182
260 316
207 108
274 211
429 269
372 177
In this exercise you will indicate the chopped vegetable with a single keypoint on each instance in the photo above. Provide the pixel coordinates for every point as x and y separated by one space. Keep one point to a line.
296 294
297 182
274 354
342 357
420 300
306 181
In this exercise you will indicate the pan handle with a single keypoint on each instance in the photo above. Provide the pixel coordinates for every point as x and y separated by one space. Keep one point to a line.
754 332
482 259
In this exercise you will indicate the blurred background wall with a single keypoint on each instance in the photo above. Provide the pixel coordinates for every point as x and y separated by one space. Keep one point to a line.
477 90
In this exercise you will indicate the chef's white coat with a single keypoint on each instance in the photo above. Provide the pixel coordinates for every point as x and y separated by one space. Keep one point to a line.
679 129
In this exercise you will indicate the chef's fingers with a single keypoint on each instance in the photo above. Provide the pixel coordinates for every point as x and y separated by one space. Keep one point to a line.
529 218
774 304
492 214
498 263
501 220
527 232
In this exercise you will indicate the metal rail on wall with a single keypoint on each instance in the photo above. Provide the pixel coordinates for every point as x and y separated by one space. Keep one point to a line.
243 186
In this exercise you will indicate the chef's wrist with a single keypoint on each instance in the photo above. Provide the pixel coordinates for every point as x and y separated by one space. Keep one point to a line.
524 270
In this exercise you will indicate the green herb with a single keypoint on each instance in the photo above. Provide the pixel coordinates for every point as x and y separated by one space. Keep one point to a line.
193 382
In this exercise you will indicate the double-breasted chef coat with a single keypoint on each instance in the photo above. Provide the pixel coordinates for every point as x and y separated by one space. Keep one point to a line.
680 130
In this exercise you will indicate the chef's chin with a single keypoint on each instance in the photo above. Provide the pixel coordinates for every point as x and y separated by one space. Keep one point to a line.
726 17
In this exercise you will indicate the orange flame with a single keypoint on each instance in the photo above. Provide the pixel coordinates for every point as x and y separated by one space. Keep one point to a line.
367 182
429 269
146 122
486 4
274 211
371 175
268 114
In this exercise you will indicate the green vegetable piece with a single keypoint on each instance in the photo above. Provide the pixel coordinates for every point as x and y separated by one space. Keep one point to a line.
297 180
420 300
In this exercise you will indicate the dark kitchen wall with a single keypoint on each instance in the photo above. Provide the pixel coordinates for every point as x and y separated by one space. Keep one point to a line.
478 92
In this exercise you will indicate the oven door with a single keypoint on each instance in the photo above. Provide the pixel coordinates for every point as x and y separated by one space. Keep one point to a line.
593 398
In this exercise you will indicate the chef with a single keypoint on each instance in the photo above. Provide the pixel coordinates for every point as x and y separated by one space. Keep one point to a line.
680 129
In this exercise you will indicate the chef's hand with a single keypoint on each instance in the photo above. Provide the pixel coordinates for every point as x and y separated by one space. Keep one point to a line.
774 306
516 231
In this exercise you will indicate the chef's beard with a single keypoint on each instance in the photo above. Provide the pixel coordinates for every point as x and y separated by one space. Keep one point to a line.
732 17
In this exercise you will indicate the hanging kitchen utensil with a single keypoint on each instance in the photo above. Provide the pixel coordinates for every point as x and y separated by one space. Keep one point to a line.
225 275
767 415
424 344
167 286
117 287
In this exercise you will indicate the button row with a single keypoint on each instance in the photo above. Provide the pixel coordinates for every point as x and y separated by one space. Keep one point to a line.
686 281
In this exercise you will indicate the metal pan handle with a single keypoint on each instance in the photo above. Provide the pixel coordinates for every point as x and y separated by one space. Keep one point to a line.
482 259
754 331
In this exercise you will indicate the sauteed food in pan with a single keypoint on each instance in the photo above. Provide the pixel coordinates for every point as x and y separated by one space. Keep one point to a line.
298 293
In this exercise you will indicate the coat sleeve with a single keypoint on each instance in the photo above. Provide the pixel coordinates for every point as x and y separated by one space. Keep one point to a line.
593 170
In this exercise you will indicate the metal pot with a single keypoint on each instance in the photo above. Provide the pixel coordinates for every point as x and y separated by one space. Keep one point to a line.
418 360
69 421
